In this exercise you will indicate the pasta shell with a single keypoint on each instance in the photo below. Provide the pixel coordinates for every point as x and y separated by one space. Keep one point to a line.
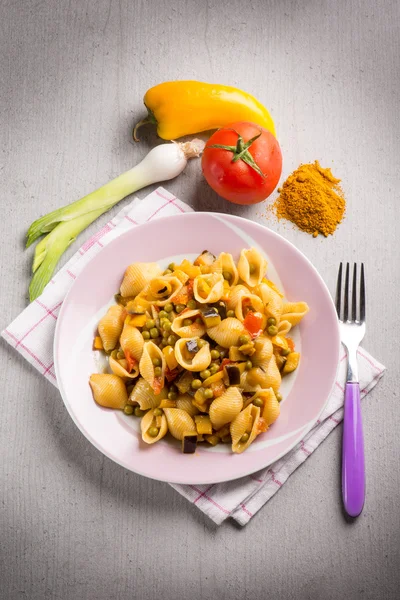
148 421
162 290
294 312
271 409
249 301
108 390
146 367
252 266
272 301
179 422
263 351
198 362
227 333
225 408
261 377
235 294
188 331
110 326
136 277
143 395
208 288
120 369
184 402
284 327
226 264
131 342
246 422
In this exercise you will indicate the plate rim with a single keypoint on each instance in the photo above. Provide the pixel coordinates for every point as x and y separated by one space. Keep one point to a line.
306 429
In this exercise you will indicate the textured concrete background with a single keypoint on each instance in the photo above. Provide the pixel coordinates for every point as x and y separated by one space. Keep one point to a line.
73 525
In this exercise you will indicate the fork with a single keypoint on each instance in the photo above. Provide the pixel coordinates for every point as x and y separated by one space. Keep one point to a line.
352 332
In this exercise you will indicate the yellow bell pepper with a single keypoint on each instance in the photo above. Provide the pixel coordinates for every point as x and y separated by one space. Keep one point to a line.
180 108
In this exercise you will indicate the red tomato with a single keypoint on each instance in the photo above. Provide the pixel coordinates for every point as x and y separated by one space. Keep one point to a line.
227 170
253 323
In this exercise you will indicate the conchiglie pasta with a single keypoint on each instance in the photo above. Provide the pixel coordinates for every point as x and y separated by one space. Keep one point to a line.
208 288
108 390
246 301
252 267
185 402
152 424
147 369
136 277
162 290
244 428
226 266
120 367
227 333
226 407
179 422
192 361
110 326
263 377
143 395
294 312
263 352
284 327
131 342
271 407
273 303
189 331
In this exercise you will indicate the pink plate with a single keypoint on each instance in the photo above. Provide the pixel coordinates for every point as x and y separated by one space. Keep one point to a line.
305 392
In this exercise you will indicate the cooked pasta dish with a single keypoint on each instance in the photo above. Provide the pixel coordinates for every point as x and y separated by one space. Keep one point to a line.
198 350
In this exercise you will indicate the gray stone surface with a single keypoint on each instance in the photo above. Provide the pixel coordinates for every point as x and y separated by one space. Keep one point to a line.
73 525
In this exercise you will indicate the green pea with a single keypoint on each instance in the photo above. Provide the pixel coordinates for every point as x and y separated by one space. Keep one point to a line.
244 438
192 304
230 313
146 335
154 333
208 393
120 355
199 321
162 315
258 402
128 409
279 396
157 371
158 412
249 365
222 352
214 354
179 308
172 266
244 339
168 307
202 343
167 272
150 323
172 339
153 431
187 322
226 275
252 269
272 330
167 326
163 343
156 362
138 411
172 395
171 316
173 388
196 384
271 321
204 374
285 352
214 369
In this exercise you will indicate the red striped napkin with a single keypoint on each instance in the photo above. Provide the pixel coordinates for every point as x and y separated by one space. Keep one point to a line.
32 335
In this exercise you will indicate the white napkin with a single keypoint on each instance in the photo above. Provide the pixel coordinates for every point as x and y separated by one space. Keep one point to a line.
32 335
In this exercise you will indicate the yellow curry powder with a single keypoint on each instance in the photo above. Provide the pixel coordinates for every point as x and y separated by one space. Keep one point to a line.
312 199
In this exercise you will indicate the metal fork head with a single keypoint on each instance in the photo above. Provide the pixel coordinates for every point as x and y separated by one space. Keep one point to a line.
352 329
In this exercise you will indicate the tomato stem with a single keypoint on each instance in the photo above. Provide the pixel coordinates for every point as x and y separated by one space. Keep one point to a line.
241 152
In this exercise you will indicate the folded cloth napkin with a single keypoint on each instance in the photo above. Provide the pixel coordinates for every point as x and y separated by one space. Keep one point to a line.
32 335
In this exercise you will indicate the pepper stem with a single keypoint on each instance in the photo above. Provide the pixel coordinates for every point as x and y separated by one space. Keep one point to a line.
149 119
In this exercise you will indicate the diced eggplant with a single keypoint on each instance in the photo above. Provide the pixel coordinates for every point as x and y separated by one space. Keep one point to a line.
189 443
221 308
233 373
184 382
211 317
205 258
192 346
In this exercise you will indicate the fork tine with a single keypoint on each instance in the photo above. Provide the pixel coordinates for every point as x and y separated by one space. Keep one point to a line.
362 295
346 294
339 290
354 294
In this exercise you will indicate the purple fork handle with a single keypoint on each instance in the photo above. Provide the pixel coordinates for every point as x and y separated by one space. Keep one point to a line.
353 462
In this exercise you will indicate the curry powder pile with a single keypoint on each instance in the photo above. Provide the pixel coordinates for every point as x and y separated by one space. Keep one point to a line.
312 199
